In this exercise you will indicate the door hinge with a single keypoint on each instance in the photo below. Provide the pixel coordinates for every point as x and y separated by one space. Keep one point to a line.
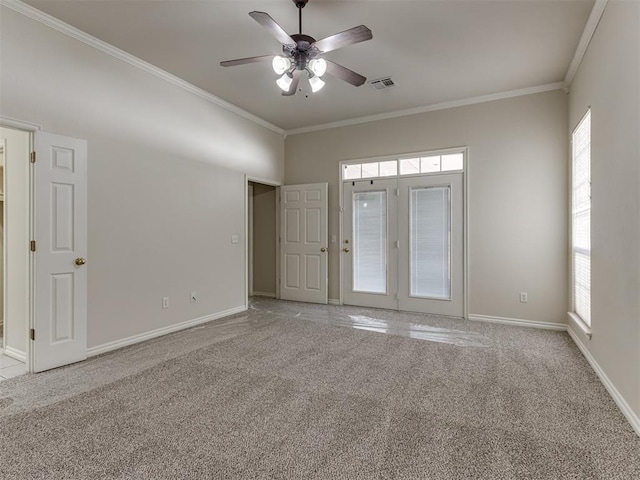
397 192
32 157
397 243
33 245
32 334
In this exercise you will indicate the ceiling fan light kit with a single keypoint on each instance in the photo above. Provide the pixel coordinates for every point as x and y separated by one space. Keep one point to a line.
285 81
316 83
302 53
280 64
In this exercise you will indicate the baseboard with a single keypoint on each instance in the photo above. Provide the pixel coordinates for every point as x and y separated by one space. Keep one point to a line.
15 353
624 407
334 301
141 337
264 294
519 322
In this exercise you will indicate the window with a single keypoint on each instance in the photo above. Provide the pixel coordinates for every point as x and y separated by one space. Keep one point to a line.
581 218
404 166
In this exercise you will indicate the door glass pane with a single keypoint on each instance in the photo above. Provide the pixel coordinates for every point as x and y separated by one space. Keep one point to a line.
369 249
430 241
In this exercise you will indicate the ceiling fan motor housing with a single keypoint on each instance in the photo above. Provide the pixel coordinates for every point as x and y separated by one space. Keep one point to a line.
302 52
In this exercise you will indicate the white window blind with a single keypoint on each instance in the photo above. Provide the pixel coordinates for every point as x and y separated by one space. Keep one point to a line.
430 224
581 218
370 242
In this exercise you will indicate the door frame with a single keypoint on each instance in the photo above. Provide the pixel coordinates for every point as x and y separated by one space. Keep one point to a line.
29 128
465 213
250 178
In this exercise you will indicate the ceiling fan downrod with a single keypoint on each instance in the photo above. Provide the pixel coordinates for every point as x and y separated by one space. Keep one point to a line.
300 5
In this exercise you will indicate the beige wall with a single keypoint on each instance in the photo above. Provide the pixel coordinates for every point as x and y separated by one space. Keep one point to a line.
17 236
517 192
2 237
264 239
608 80
166 177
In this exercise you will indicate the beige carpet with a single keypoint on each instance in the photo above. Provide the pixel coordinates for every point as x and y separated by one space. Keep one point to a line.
296 399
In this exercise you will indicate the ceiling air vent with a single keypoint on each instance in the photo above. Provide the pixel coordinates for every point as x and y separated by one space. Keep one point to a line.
382 83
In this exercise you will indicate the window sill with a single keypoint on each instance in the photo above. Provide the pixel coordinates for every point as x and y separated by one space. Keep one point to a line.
577 321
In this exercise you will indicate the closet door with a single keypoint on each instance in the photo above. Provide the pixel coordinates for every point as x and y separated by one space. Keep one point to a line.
59 334
304 242
430 229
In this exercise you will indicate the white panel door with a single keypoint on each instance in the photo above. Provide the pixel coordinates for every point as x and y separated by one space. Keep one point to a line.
430 222
304 242
369 250
60 273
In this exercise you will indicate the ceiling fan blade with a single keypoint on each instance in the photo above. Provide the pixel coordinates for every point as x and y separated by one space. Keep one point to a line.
270 24
293 88
342 39
242 61
343 73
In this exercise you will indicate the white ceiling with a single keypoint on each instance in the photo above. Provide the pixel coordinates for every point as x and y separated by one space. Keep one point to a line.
435 51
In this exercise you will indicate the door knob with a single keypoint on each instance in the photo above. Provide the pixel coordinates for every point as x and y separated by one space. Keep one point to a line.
80 261
324 249
345 250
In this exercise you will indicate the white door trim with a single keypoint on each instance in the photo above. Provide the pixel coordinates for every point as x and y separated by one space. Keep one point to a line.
23 355
250 239
23 125
249 178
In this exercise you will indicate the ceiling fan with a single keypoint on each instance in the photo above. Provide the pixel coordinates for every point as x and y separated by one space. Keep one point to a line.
302 53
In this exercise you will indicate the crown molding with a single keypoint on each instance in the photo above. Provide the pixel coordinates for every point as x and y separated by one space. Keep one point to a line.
73 32
429 108
585 39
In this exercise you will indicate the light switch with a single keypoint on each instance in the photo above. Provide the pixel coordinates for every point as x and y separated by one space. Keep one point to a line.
235 238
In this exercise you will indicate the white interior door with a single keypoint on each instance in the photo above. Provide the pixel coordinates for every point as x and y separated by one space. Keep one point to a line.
369 250
60 275
304 242
431 244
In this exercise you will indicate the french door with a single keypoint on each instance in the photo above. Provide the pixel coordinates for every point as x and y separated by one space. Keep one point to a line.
403 243
370 243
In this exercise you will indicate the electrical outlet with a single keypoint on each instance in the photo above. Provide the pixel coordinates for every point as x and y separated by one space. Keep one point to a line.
235 238
194 297
165 302
524 297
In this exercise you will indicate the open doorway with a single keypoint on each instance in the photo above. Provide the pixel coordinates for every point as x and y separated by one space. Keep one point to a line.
261 240
15 148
